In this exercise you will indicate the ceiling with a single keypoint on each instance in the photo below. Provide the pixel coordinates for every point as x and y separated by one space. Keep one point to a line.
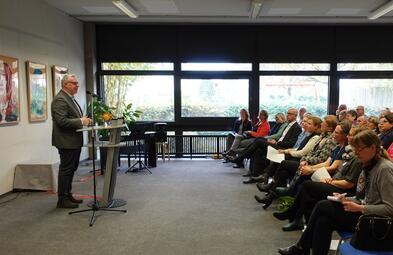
227 11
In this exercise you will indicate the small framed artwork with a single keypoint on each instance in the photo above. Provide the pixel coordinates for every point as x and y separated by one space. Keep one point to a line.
9 90
58 73
36 91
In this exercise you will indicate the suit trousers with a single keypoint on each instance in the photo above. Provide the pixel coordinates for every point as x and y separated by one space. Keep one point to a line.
285 170
69 161
258 162
326 217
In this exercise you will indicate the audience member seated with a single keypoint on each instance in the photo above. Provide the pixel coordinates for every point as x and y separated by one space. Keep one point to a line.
362 121
386 129
241 125
352 116
360 110
344 180
372 124
341 107
384 112
312 126
342 115
258 148
261 129
374 195
279 127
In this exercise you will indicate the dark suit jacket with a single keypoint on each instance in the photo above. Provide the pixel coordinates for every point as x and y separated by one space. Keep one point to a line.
290 138
66 120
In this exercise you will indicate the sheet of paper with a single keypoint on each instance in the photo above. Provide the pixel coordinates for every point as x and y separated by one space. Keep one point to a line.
320 174
274 155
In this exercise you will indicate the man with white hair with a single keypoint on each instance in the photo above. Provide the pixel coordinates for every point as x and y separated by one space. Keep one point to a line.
67 117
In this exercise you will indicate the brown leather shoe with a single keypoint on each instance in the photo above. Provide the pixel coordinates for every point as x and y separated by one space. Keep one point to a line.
66 203
74 200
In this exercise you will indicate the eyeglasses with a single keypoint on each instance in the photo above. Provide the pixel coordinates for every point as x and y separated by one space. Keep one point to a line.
357 151
73 82
290 113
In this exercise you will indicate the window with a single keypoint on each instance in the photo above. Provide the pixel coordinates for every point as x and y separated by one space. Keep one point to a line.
152 94
374 94
213 97
293 67
138 66
365 67
216 67
278 93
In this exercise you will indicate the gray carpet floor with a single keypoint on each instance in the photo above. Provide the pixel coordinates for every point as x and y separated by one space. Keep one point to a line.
184 207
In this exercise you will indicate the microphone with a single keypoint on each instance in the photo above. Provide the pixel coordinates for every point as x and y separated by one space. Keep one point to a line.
92 94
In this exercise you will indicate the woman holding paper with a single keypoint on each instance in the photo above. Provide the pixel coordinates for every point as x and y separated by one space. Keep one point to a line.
311 192
374 195
312 125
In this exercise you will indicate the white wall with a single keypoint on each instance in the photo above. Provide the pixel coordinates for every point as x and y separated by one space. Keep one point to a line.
33 30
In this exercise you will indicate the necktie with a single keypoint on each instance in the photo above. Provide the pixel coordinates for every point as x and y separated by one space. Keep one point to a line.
79 108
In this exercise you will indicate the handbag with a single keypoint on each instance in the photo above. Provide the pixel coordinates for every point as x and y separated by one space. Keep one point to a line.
373 233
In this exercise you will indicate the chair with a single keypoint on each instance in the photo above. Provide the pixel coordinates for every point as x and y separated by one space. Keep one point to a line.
164 150
344 236
161 139
347 249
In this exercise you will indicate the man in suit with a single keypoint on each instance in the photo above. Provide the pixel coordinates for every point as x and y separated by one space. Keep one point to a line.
67 117
257 151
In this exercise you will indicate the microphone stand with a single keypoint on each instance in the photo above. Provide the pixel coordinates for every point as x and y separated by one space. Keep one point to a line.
95 206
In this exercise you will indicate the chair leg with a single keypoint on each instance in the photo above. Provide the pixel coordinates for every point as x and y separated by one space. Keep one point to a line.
167 147
163 151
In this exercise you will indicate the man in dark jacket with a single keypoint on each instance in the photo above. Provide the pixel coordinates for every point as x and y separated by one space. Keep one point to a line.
67 117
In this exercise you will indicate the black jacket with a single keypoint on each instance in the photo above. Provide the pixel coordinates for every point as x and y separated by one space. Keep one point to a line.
246 127
290 137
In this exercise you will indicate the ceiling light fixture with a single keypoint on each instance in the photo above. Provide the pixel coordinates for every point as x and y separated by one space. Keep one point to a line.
381 10
256 6
126 8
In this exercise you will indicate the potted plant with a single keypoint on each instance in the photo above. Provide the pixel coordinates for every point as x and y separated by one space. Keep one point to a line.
103 114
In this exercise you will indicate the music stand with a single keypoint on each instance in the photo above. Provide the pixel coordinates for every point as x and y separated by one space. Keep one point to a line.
138 133
113 146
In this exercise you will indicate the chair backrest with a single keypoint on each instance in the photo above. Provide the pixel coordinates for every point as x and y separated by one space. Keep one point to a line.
161 132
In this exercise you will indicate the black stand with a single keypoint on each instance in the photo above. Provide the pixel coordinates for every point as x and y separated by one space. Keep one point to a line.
137 132
140 163
95 206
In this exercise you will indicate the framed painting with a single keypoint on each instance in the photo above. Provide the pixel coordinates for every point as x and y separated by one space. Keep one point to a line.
58 73
9 90
36 91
